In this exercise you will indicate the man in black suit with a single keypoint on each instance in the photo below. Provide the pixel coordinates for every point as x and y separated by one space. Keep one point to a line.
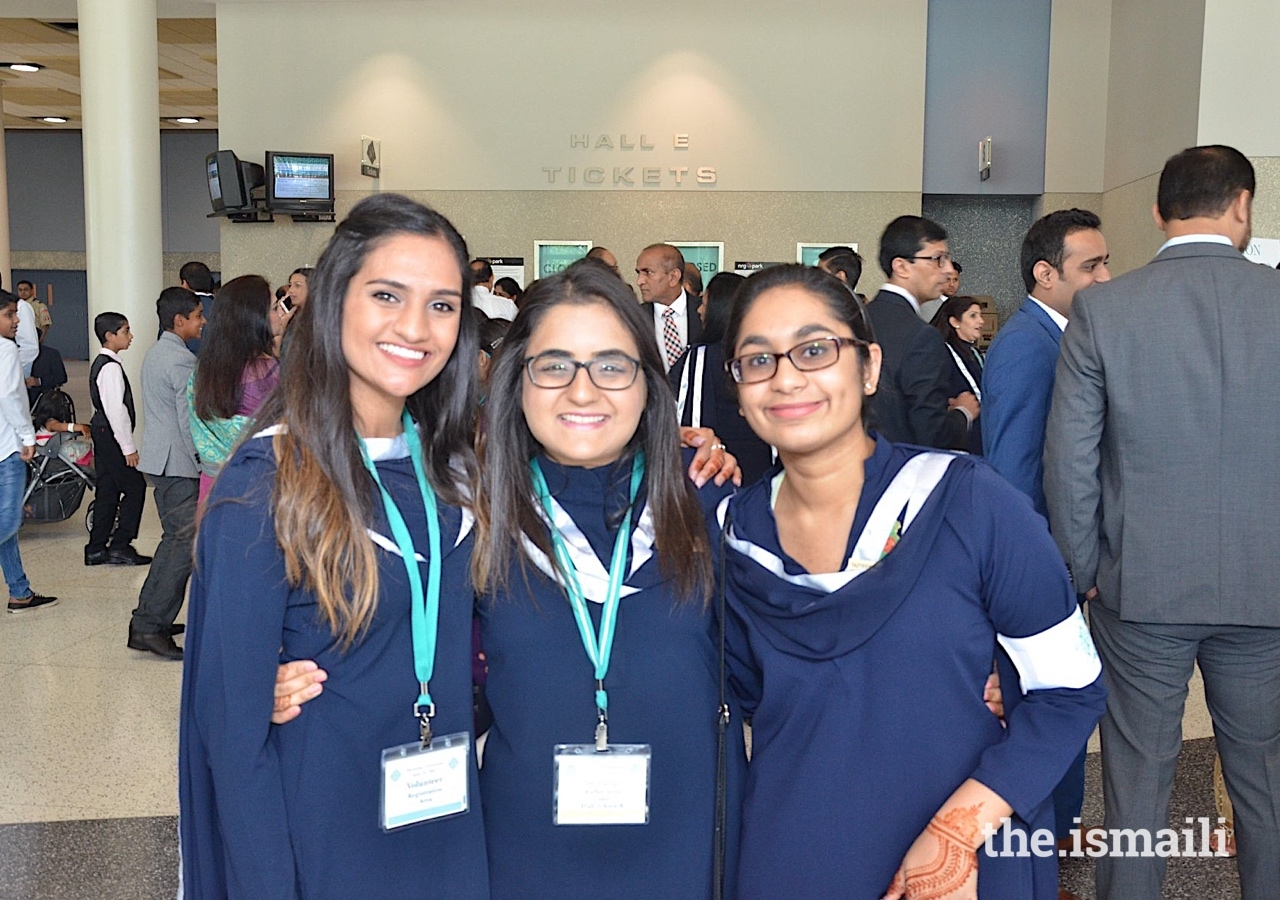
911 404
660 276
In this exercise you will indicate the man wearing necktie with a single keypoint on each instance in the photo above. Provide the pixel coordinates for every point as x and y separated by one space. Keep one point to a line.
659 276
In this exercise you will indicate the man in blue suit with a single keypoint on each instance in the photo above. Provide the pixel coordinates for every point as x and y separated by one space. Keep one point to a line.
1063 253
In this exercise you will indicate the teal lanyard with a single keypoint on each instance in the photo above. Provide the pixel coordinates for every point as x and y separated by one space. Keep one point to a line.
598 647
426 604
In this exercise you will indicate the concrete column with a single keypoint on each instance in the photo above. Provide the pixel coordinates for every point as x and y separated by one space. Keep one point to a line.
6 258
120 96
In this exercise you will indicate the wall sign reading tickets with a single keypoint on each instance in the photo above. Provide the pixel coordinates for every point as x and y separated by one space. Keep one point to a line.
550 257
807 254
651 172
708 256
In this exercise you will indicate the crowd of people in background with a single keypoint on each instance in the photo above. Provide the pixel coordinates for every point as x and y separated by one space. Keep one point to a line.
412 491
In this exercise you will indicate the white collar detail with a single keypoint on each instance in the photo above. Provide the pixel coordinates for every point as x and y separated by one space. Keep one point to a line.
593 577
910 488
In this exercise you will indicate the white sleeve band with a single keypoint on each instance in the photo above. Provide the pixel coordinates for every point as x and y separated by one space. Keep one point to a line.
1059 657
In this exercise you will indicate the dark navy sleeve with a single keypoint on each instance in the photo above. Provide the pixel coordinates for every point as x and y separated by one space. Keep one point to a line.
238 603
1031 603
742 671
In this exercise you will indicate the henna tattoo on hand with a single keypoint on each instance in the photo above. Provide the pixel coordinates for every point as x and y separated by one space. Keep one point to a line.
955 861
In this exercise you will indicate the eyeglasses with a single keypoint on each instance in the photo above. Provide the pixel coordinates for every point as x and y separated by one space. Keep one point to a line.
939 259
807 357
610 372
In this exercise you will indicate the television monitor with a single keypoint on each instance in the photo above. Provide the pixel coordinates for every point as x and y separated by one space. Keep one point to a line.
299 182
231 181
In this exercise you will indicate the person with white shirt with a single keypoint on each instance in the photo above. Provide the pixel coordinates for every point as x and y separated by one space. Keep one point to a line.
1166 511
121 487
1062 254
482 296
28 335
17 447
660 278
911 404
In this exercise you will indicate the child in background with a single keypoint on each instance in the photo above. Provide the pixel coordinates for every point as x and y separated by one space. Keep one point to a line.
121 488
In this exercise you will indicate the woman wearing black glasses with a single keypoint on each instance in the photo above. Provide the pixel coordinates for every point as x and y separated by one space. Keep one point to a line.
870 589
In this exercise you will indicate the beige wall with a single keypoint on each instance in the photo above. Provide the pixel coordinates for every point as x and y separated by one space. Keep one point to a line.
1132 236
1153 85
753 225
812 115
481 94
1076 121
56 259
1237 76
1266 203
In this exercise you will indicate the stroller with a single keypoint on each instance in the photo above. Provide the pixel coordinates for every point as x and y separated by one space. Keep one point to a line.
61 469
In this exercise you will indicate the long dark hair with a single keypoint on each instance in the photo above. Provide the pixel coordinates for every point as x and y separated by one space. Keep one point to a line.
506 510
953 308
238 335
323 497
718 302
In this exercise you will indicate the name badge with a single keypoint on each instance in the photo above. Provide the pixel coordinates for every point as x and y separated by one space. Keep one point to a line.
420 784
609 787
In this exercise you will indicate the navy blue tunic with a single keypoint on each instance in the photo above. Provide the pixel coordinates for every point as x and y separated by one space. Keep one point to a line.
292 811
663 691
867 701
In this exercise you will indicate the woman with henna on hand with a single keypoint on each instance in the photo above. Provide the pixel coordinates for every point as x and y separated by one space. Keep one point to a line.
870 588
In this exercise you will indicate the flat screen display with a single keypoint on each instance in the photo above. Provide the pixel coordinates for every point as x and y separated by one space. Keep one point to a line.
300 177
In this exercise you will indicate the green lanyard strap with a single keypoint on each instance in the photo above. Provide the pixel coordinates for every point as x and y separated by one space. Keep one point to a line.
599 648
425 604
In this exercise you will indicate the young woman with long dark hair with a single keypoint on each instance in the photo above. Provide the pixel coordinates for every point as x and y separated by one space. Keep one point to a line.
236 371
337 534
594 568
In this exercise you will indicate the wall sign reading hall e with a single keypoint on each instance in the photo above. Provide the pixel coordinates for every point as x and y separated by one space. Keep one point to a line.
600 148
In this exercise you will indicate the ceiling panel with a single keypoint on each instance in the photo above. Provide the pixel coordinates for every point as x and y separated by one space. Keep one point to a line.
188 72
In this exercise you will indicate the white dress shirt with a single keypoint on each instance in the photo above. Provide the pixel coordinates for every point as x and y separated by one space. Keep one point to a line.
16 430
111 393
1195 239
492 305
680 312
28 338
903 292
1058 318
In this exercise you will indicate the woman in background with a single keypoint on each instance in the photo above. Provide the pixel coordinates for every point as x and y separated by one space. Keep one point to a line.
704 395
237 370
959 321
509 289
297 290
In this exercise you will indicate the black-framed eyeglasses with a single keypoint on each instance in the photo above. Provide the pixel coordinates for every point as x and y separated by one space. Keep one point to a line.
938 259
609 371
807 357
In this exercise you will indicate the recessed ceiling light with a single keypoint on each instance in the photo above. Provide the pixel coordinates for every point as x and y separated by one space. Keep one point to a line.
25 67
186 120
52 120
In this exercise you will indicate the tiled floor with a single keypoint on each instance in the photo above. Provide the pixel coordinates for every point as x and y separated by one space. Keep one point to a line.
88 739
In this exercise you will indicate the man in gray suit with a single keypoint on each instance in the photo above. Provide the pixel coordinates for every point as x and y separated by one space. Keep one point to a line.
168 459
1160 477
